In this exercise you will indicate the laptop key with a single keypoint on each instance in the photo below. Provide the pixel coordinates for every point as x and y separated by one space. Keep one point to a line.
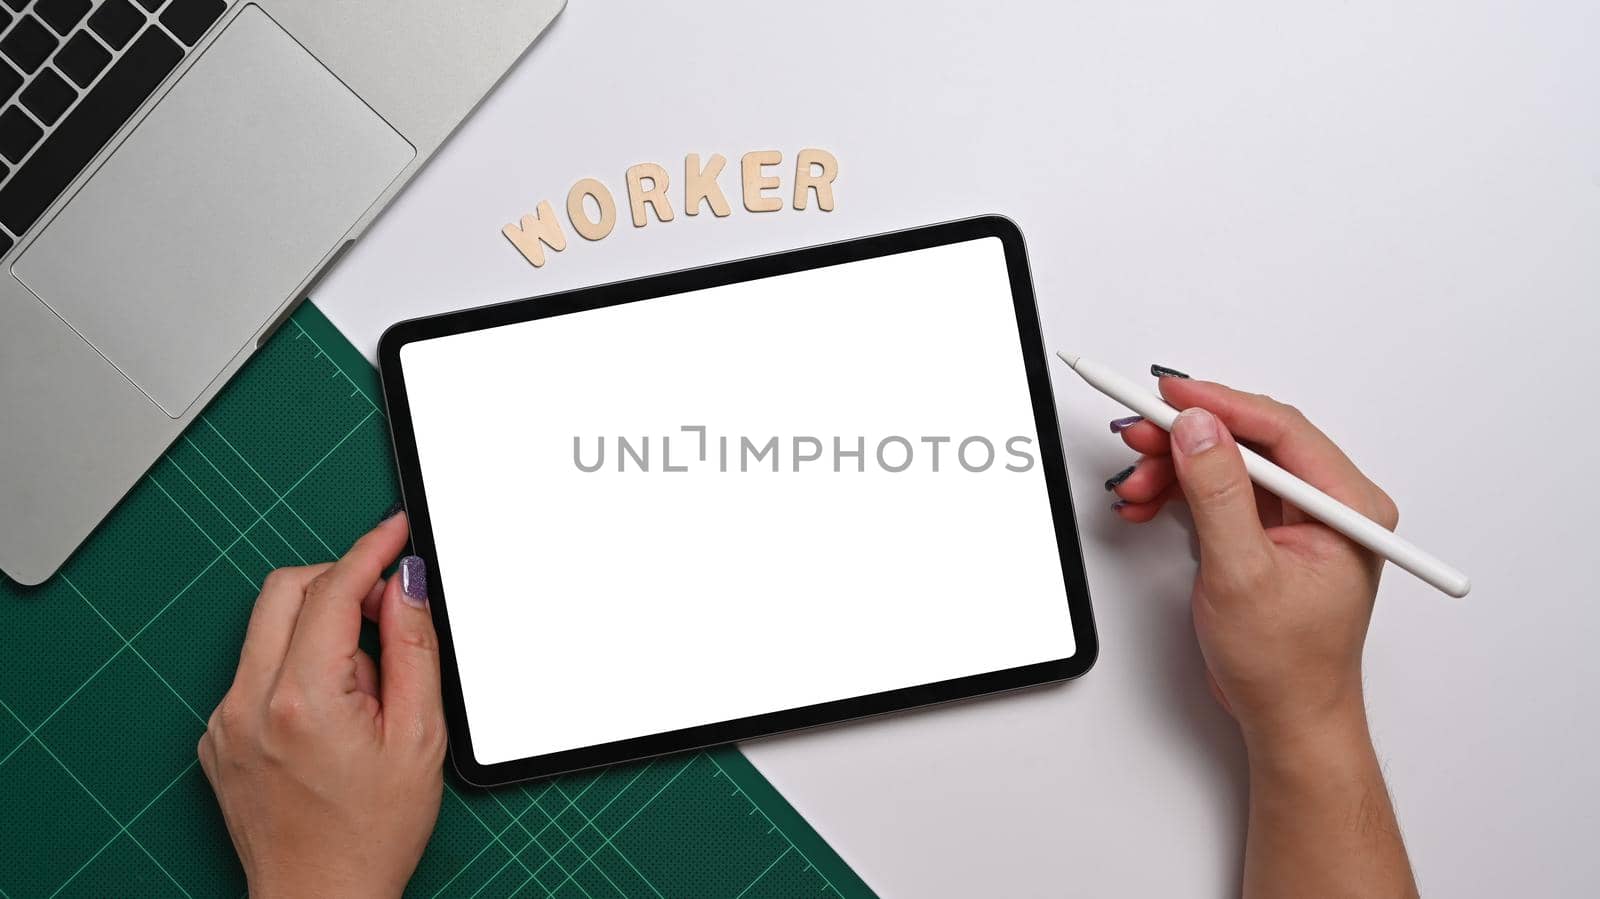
151 5
18 134
116 21
5 239
82 58
188 19
5 19
17 4
9 82
61 14
28 44
87 128
48 96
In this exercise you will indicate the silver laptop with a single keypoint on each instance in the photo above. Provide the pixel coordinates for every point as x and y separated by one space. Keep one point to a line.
174 174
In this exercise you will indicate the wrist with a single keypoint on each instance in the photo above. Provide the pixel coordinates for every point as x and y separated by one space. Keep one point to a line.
303 884
1332 741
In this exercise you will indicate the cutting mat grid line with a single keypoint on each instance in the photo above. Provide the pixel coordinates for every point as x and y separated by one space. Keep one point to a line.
123 827
130 647
280 498
550 858
110 666
124 832
127 644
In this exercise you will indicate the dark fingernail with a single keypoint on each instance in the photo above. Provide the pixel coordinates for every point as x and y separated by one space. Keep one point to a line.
1161 371
1119 505
398 507
1119 477
1118 425
414 580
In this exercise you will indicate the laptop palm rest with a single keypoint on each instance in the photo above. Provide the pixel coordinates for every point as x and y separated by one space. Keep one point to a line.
201 225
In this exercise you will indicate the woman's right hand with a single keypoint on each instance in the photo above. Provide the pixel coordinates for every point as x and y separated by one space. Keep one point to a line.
1281 602
1281 605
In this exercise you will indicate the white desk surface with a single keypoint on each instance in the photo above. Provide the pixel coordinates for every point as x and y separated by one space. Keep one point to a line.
1388 214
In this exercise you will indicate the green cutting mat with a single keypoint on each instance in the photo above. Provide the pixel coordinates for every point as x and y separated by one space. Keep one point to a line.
109 670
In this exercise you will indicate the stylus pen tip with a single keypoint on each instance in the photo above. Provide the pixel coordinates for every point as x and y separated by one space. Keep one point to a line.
1069 358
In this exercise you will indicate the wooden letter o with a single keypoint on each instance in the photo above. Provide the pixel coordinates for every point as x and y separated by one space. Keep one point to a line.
578 212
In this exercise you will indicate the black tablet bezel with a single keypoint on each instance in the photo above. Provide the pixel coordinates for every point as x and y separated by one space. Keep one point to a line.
1052 462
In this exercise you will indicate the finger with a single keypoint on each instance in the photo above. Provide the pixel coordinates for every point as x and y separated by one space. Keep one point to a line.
412 709
366 674
1282 433
1149 479
1154 483
1271 509
266 638
1146 439
373 600
1221 498
1139 513
330 620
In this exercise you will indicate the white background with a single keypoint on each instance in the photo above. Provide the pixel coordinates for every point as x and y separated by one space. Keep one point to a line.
1388 214
594 606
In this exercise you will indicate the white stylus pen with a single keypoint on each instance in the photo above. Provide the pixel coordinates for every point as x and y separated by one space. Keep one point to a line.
1286 486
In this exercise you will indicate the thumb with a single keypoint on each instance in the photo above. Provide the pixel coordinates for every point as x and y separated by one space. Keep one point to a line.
1211 471
409 661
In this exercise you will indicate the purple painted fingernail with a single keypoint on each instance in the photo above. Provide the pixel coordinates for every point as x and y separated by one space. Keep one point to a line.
1119 477
1161 371
398 507
414 581
1118 425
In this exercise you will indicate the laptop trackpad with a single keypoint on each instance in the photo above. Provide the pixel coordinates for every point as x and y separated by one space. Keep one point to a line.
200 226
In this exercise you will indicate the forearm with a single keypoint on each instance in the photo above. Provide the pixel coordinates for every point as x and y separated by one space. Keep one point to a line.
1321 822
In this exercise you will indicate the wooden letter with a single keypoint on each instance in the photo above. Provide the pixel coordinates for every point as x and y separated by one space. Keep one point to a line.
542 226
822 181
656 196
579 213
701 184
755 182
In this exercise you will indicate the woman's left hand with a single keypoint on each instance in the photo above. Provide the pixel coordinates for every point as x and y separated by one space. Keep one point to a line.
328 769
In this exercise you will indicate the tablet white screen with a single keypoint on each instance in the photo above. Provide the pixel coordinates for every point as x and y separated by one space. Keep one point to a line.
684 581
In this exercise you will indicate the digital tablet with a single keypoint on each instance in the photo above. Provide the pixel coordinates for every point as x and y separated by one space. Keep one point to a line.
720 503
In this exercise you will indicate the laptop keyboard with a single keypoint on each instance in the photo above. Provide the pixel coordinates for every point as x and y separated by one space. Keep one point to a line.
71 73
